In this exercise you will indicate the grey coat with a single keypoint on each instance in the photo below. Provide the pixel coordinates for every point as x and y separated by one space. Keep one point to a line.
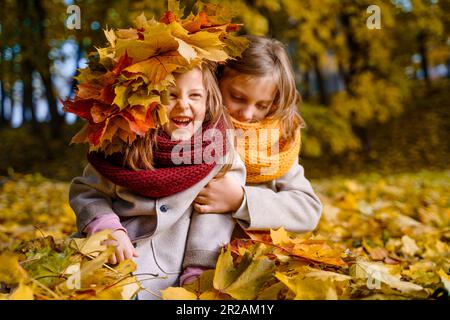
288 202
166 232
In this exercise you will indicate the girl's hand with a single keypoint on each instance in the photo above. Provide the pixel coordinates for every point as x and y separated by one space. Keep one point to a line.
124 247
220 195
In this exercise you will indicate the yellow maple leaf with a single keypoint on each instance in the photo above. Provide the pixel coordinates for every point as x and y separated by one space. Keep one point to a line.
186 50
159 67
280 237
121 96
143 100
92 245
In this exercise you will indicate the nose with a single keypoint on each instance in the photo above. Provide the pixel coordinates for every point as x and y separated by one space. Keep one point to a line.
246 114
182 103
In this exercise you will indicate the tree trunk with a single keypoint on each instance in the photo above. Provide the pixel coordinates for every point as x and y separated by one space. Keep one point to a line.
11 94
27 91
342 73
2 105
26 69
354 50
448 68
363 135
320 81
306 93
422 39
57 120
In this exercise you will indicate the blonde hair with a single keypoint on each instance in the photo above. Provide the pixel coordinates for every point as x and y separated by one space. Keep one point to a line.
139 155
265 57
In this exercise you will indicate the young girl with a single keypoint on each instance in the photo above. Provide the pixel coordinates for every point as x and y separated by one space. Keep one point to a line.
149 210
259 93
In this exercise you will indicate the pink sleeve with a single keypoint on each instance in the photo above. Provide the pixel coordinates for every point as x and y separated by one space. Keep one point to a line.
190 274
102 222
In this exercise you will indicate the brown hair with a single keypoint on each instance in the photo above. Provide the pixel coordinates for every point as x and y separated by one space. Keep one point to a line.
264 57
139 155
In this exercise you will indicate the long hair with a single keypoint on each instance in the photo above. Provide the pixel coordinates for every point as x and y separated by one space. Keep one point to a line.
139 155
265 57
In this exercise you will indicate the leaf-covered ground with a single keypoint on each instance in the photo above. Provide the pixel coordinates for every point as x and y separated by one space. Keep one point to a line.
378 238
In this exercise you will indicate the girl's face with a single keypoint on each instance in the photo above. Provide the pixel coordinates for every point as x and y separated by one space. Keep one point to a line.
248 99
187 108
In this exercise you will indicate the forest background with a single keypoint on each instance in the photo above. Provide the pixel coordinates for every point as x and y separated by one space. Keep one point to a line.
374 76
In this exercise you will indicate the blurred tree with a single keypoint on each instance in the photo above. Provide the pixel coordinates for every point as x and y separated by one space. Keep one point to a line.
422 26
370 64
313 25
375 84
25 24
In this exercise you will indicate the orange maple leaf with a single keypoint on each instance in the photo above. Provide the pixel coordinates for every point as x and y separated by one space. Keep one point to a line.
168 17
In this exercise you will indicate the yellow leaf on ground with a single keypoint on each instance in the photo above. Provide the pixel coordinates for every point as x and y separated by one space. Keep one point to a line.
10 270
23 292
309 288
280 237
409 246
177 293
91 245
377 273
445 278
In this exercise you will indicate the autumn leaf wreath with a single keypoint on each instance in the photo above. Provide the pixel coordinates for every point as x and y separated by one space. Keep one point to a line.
123 90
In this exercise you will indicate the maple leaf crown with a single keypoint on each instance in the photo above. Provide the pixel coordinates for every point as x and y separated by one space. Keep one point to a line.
122 91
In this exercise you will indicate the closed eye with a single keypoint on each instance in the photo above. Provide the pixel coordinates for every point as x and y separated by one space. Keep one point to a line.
262 106
237 98
196 96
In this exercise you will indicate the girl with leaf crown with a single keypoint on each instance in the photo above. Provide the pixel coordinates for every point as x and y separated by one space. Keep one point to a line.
151 99
260 95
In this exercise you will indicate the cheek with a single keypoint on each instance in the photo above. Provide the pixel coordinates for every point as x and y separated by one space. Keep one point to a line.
260 115
227 102
263 113
169 107
199 110
231 106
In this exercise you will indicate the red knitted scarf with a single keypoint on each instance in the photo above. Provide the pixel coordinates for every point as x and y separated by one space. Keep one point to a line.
166 178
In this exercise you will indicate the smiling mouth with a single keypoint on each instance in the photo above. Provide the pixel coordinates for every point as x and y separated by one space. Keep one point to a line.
181 122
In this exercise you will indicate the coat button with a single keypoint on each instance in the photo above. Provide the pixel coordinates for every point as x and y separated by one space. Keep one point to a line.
164 208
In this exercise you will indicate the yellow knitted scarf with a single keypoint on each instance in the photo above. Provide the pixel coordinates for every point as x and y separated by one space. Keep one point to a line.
266 155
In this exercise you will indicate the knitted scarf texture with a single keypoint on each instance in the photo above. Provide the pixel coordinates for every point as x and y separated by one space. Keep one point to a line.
167 178
266 155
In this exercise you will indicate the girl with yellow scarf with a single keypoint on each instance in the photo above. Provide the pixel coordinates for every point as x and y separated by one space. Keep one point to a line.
260 95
